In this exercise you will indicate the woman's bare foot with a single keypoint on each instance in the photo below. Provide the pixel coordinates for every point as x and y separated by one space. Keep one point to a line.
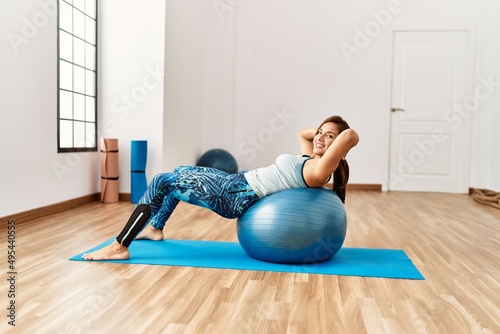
114 251
151 233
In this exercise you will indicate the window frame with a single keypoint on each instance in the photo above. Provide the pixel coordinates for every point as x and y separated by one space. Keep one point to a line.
88 133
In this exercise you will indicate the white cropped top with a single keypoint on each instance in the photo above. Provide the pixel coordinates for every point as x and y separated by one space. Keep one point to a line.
285 173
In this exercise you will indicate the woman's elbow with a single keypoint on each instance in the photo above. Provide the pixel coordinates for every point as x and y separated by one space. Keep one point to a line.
351 136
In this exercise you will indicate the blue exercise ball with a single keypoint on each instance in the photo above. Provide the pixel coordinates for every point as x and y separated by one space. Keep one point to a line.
299 226
220 159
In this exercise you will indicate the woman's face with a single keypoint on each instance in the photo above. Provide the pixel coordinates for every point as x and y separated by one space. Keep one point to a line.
324 138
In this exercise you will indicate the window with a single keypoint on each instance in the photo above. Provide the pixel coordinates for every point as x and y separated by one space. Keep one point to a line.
77 76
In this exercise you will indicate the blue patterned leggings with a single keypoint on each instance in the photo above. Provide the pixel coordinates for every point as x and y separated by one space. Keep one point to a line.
228 195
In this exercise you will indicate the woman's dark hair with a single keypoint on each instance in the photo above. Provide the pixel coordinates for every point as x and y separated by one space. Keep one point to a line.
341 174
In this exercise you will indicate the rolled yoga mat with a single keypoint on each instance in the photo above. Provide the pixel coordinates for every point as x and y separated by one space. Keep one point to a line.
109 170
138 182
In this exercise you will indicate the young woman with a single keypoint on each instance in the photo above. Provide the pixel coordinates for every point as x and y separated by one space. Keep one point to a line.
230 195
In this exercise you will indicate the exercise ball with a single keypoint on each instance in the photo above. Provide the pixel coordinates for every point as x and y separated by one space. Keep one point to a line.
299 226
220 159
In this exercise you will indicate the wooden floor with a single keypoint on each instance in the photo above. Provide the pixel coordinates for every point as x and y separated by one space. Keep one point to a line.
454 242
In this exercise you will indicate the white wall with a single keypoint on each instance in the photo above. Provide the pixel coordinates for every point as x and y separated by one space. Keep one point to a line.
492 179
184 83
32 173
284 58
229 73
132 77
130 97
486 150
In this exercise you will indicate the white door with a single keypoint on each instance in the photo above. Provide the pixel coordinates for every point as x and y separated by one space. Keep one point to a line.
430 130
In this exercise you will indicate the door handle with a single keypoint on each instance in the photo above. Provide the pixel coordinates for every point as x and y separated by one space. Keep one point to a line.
397 109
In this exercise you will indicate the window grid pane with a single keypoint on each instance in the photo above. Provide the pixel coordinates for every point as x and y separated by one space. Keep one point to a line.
65 105
79 107
65 75
90 109
78 79
66 133
90 9
90 30
90 57
90 83
78 51
79 4
78 23
65 17
79 134
65 46
90 134
77 90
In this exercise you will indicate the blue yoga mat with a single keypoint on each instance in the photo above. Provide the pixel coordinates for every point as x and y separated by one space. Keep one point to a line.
368 262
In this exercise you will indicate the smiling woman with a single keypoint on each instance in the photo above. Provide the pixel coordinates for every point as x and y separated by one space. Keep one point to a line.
328 146
230 195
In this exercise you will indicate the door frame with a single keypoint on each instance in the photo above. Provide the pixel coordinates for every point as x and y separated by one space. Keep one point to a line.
471 74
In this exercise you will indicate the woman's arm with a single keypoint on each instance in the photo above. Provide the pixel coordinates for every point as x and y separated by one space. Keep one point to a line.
317 171
306 137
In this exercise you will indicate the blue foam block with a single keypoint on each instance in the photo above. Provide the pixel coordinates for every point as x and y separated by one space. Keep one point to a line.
138 158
